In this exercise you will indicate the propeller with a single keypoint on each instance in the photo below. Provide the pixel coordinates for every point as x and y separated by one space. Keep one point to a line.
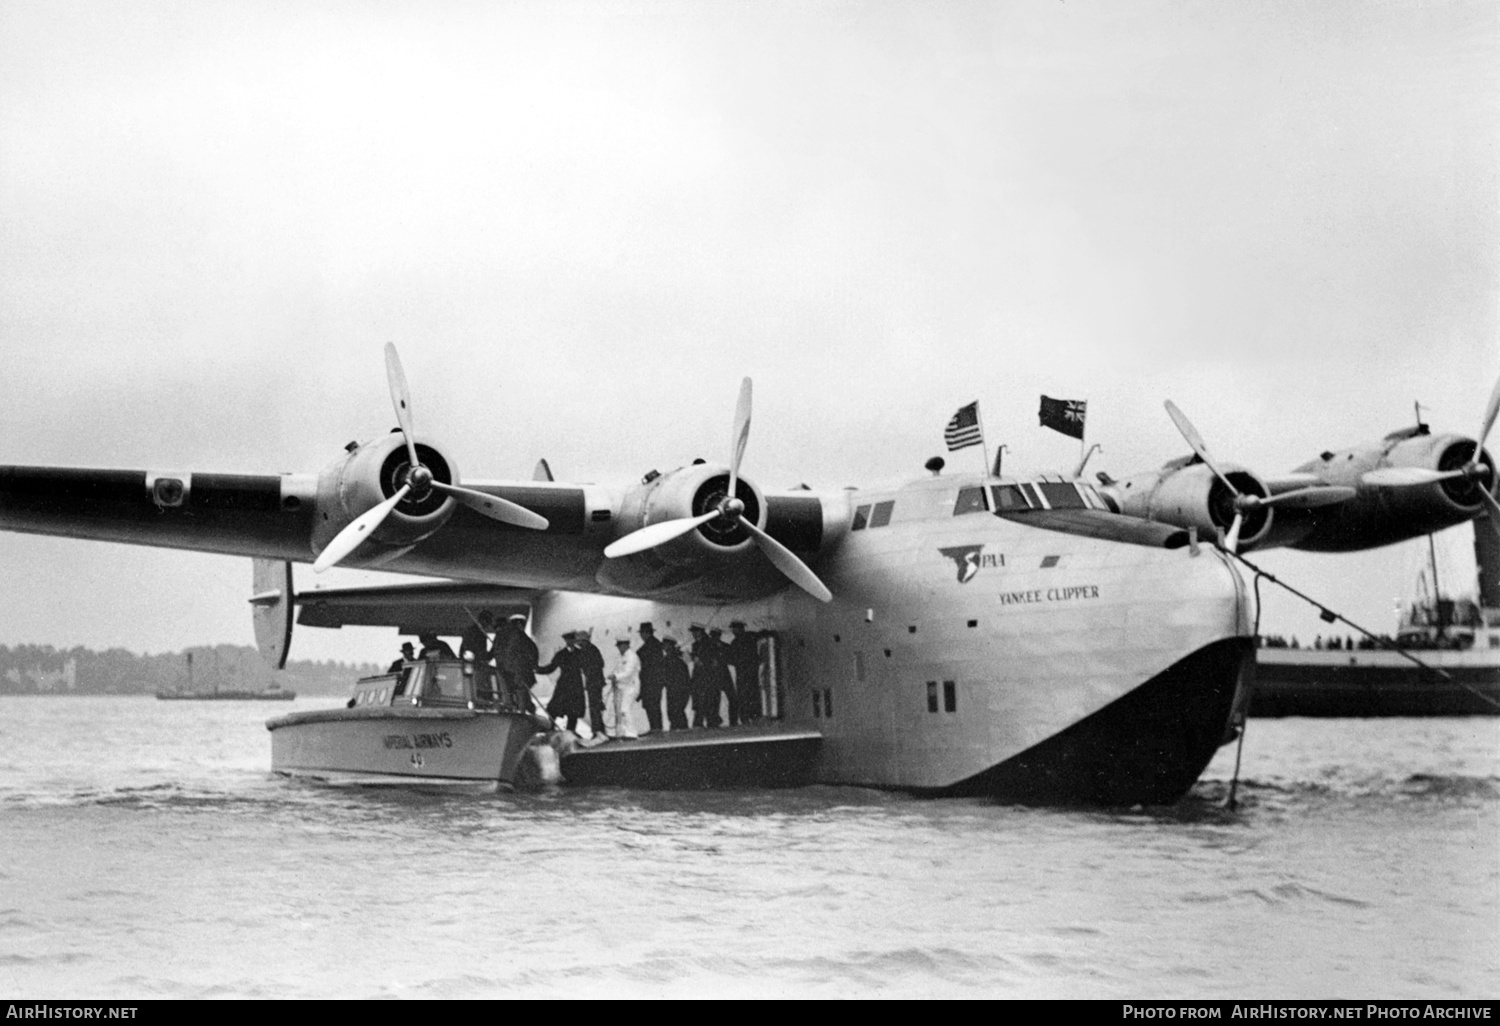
1309 497
1407 477
419 481
731 509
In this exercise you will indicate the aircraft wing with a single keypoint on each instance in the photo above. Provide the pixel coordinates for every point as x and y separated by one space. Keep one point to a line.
294 517
1097 523
442 607
238 514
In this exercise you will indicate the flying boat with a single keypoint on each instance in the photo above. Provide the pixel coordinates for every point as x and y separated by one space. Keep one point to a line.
1032 639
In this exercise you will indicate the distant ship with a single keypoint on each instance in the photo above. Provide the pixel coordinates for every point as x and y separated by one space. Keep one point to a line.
1456 640
273 693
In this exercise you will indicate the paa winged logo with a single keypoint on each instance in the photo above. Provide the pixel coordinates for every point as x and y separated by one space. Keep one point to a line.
967 559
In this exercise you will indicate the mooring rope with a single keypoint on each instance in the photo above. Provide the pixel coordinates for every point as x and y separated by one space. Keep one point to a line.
1330 616
1239 748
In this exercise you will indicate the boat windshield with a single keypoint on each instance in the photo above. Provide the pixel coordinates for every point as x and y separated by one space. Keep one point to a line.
445 685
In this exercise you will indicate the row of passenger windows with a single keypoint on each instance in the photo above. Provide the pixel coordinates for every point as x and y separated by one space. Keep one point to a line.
1005 498
822 701
950 696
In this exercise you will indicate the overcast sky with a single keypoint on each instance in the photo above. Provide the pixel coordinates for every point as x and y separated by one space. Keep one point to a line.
583 223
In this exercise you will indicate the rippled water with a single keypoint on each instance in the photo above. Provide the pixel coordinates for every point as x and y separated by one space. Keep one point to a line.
145 851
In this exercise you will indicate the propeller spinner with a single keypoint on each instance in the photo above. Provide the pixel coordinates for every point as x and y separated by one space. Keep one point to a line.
730 511
1244 502
419 482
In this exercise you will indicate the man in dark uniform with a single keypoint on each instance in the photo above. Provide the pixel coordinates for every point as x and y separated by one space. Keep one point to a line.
592 661
516 659
476 638
650 653
678 685
568 697
744 659
708 670
408 653
434 647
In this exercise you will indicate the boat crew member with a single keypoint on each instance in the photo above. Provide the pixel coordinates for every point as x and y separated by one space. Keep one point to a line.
408 653
708 677
476 639
651 683
676 682
516 659
650 654
568 697
744 658
624 690
434 647
593 679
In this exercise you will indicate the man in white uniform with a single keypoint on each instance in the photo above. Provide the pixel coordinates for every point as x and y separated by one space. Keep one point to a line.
624 692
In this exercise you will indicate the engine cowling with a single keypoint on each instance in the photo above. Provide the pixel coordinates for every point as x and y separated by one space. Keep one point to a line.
368 476
718 561
690 492
1188 494
1385 515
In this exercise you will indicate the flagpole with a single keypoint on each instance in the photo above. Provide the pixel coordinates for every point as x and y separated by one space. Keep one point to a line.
984 449
1083 441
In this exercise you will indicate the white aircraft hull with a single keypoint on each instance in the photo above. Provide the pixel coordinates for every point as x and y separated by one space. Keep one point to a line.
1078 670
408 743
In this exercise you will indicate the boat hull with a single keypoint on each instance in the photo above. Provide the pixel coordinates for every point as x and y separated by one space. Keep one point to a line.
1147 747
401 742
1363 683
736 757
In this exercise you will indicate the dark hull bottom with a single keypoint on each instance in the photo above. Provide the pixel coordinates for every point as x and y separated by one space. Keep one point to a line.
1146 748
1356 695
769 756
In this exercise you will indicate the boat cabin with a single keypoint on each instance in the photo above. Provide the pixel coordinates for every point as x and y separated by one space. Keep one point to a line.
440 683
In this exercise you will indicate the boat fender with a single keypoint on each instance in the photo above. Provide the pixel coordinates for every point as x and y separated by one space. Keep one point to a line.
540 765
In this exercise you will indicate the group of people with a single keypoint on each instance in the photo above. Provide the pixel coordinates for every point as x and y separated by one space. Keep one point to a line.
512 653
606 696
653 671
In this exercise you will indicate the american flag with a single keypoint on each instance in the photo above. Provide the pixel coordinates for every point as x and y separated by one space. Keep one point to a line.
963 429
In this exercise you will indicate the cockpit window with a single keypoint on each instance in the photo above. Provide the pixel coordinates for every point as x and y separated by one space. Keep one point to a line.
1062 495
970 500
881 514
1008 497
861 518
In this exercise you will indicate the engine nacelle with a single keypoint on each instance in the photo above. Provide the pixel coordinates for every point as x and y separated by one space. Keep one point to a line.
368 476
1383 515
719 561
690 492
1186 493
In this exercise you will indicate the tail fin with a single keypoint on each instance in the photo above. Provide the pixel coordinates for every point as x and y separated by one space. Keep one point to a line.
273 609
543 472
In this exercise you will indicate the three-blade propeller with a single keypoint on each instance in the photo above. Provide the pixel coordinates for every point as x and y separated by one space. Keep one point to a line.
1310 497
1475 469
419 481
731 510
